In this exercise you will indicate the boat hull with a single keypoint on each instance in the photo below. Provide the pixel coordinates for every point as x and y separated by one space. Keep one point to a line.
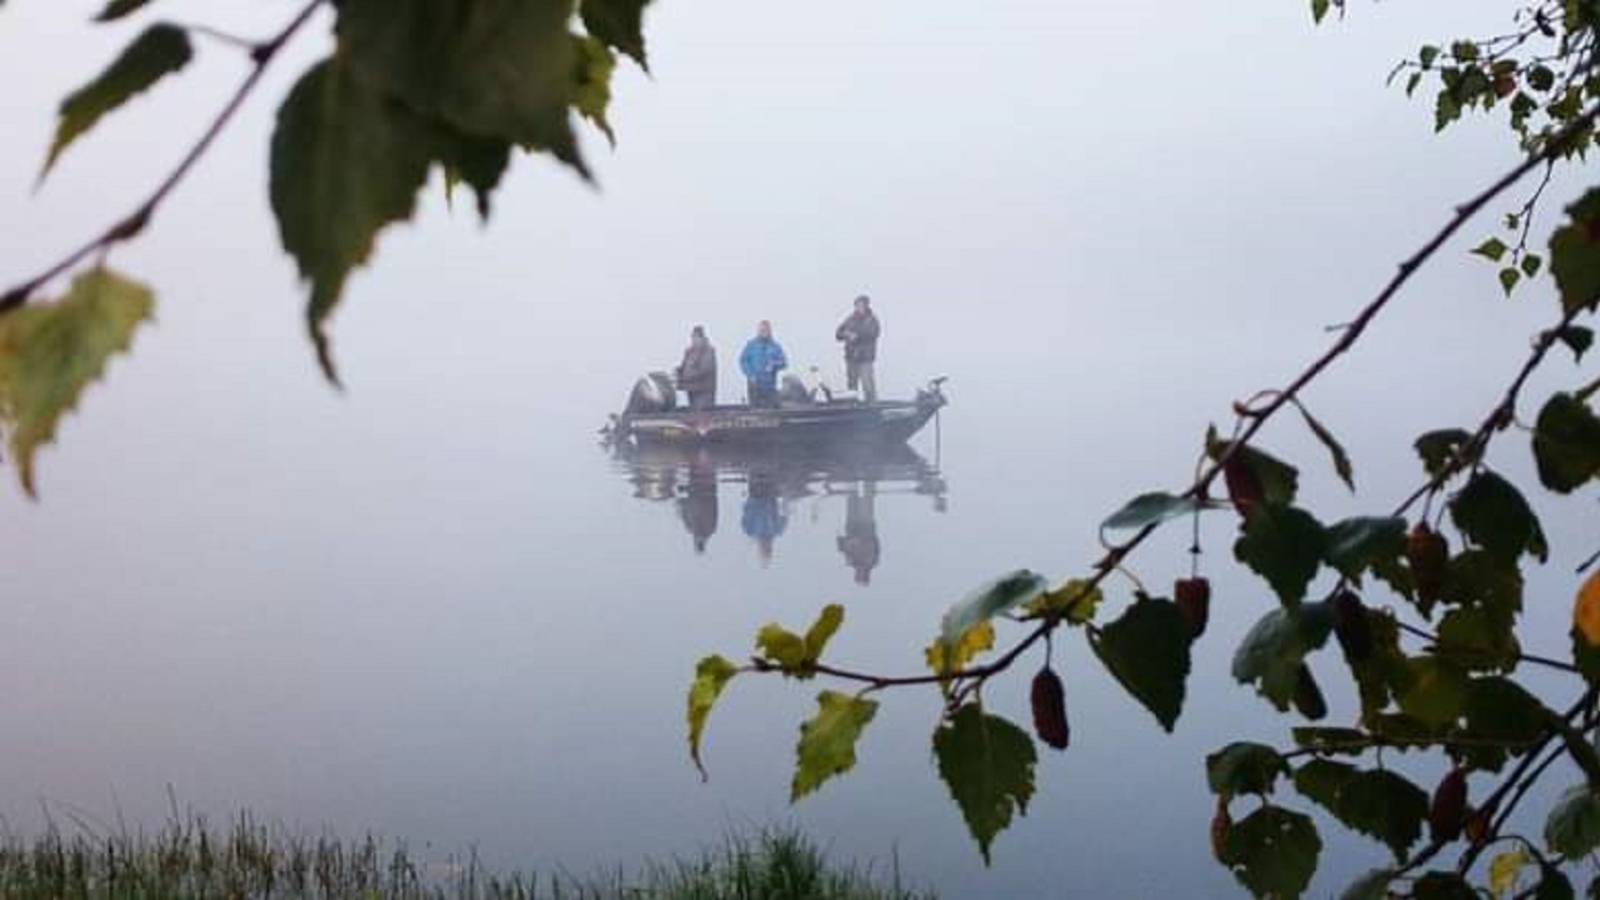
835 423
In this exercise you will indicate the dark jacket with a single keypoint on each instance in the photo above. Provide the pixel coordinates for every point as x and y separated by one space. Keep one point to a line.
860 335
698 371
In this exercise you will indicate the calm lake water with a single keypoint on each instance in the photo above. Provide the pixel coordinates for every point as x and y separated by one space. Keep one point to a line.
433 607
475 629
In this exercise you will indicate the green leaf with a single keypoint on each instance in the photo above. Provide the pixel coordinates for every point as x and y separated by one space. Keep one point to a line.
1530 264
1323 739
1437 885
1553 885
1284 545
1479 638
1273 852
593 77
160 51
1372 885
1319 780
1492 513
1383 672
619 24
710 677
1278 480
1319 9
1341 460
1480 578
1075 600
345 163
1364 542
1149 509
1446 109
1498 709
1384 806
828 742
50 352
479 162
1271 653
116 9
1566 443
1573 826
797 655
988 600
822 630
1244 768
987 763
1577 338
1438 448
1509 276
499 69
1375 802
1436 691
1492 249
781 646
1575 254
1427 55
1147 650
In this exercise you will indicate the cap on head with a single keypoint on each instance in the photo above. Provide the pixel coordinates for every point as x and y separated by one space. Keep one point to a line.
697 331
863 300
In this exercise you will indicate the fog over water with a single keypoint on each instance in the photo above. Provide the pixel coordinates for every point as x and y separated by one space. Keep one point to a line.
430 606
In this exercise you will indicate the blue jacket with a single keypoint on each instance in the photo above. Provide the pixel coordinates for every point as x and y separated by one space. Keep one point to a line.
761 361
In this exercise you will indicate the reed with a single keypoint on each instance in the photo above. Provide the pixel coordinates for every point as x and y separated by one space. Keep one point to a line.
190 860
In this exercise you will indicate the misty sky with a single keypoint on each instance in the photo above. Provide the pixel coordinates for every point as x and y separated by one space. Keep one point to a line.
1103 223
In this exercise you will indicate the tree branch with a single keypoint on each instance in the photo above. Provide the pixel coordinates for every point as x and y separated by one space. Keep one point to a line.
1274 401
261 55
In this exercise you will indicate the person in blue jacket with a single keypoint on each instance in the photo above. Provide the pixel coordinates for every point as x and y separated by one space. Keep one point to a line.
761 362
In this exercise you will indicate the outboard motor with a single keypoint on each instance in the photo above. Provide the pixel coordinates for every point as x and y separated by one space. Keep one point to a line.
792 390
654 393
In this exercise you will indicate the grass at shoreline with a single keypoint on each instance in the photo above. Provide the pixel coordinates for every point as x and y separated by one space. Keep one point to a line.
191 861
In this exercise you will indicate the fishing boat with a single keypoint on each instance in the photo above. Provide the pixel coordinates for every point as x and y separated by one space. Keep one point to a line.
802 417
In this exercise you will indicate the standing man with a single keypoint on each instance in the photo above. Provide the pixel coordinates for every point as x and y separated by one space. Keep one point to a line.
761 362
859 333
697 374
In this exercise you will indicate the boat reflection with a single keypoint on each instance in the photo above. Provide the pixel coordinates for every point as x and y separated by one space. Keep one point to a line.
774 485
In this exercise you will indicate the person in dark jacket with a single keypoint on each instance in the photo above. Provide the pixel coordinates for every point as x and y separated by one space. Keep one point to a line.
859 334
761 362
697 374
859 543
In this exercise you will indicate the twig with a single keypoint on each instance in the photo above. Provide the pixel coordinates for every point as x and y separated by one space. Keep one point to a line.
261 55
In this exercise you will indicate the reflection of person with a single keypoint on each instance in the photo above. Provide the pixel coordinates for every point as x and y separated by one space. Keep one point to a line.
859 333
697 374
761 362
859 543
763 517
698 505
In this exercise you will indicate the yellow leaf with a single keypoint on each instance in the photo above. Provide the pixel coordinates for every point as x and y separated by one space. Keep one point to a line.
1504 869
780 645
1586 610
946 658
49 352
1075 599
710 677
